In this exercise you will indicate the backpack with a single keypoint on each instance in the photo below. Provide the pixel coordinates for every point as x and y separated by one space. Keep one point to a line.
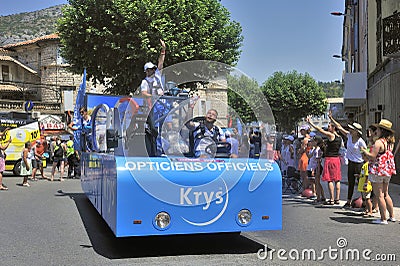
58 152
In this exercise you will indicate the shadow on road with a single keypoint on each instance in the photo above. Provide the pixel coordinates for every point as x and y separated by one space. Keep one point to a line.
106 244
351 220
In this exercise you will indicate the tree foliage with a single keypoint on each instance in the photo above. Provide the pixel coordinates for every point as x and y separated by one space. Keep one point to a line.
293 96
114 38
332 89
244 86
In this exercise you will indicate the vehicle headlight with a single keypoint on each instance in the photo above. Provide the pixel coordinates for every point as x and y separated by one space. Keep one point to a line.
162 220
244 217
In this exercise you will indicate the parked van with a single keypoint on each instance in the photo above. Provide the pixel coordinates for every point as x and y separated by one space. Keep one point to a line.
22 128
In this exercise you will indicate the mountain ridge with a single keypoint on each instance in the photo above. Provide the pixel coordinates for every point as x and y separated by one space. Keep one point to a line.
29 25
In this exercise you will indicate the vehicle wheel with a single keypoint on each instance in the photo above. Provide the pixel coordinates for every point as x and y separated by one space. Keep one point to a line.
17 168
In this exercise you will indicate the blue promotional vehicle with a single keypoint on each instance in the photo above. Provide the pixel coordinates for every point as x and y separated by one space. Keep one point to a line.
140 179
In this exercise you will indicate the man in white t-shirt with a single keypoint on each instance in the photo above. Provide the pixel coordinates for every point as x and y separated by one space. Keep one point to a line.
152 85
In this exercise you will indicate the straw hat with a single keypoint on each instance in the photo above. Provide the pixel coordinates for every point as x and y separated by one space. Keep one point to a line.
356 126
385 124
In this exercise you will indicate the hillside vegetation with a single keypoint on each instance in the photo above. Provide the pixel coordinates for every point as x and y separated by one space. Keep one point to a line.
29 25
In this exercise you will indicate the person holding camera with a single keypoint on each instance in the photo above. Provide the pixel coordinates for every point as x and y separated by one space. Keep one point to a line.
255 143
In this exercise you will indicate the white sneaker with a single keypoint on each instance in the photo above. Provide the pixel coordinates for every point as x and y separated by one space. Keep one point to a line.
379 221
26 185
392 219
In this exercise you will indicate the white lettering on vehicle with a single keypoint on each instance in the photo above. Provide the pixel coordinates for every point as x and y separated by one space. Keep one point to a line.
197 166
187 197
185 194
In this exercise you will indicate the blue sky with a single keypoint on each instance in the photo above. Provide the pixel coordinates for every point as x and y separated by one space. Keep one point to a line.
280 35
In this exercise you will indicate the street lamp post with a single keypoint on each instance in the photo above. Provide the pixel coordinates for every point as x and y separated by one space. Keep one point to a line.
348 55
341 57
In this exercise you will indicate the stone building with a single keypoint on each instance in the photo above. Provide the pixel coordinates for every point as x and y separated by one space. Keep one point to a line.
383 92
34 70
215 96
371 51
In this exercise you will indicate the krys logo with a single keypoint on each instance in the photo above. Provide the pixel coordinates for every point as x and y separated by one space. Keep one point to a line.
190 196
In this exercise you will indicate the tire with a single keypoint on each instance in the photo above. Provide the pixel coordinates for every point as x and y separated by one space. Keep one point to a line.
17 168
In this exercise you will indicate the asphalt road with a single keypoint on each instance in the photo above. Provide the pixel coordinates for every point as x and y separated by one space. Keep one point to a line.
52 223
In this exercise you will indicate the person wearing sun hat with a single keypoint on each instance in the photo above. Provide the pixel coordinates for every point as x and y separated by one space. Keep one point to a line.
381 168
353 154
356 127
287 156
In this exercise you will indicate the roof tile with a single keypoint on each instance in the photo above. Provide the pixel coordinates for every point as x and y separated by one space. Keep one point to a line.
53 36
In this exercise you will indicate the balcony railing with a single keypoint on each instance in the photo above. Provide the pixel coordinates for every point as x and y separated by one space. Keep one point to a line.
43 107
46 98
391 35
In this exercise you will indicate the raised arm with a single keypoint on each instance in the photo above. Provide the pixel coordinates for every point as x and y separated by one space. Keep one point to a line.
162 55
337 124
189 114
330 135
5 146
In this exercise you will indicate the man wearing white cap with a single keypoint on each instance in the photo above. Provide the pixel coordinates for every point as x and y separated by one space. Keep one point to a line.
152 84
288 156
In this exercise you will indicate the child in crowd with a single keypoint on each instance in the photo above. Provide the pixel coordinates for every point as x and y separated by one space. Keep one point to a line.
302 152
365 187
312 165
319 190
371 138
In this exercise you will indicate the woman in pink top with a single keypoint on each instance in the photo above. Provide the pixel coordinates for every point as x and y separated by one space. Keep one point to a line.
381 168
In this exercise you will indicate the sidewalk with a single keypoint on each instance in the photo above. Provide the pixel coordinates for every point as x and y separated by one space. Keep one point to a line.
394 190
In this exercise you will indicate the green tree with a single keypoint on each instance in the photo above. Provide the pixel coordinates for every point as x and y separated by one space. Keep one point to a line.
332 89
293 96
244 86
114 38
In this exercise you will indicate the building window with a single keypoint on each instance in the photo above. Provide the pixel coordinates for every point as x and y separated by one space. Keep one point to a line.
5 72
378 117
60 59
